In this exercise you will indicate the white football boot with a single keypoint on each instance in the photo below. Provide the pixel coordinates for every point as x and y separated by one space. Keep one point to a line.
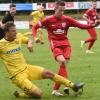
89 52
56 93
82 43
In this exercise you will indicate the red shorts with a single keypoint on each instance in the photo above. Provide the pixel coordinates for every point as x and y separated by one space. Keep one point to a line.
92 32
62 50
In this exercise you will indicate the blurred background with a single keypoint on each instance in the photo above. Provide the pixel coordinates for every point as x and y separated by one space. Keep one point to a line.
74 8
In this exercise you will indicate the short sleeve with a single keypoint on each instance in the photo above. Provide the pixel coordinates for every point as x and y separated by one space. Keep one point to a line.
24 39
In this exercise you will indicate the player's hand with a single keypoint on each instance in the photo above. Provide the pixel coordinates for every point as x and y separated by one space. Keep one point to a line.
91 22
37 40
97 22
30 46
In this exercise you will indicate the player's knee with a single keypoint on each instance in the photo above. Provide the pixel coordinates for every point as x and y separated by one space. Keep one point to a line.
95 38
47 74
37 94
63 61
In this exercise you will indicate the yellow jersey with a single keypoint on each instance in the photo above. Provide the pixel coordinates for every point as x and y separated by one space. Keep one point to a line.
10 52
37 16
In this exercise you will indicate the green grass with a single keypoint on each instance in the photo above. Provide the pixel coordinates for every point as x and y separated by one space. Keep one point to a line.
23 17
82 67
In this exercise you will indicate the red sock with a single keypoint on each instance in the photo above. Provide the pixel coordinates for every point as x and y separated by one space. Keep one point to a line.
91 45
89 40
62 72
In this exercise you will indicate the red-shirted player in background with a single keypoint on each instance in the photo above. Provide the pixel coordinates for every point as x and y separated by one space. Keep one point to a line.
91 16
57 26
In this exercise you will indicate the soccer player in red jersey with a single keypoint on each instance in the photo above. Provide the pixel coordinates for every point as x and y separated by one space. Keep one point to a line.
57 26
91 16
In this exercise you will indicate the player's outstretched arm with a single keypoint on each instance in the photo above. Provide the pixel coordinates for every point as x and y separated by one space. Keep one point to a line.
98 17
75 23
30 45
86 18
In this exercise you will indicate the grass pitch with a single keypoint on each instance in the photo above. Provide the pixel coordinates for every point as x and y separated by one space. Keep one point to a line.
82 67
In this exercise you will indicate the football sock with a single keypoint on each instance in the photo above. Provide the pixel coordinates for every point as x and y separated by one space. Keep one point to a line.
40 36
62 72
91 45
23 95
89 40
56 86
61 80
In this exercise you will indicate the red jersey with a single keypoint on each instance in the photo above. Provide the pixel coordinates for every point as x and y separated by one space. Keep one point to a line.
91 14
58 28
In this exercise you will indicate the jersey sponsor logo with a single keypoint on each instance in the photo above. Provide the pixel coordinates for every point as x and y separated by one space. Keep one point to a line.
63 24
58 31
14 50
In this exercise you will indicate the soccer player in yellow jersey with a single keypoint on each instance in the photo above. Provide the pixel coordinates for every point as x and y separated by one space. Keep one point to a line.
22 73
37 15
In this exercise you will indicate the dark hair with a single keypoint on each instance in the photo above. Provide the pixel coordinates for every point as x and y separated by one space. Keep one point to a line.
60 3
44 5
94 0
12 5
2 34
38 3
8 25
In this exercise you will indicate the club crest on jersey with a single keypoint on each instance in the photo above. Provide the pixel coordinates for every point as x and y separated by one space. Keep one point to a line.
63 24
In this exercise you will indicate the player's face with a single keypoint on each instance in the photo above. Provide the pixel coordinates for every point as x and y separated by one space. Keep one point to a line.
59 11
13 11
11 34
94 5
41 9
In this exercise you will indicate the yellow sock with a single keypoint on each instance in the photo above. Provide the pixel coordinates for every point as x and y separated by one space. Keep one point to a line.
40 35
61 80
23 95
